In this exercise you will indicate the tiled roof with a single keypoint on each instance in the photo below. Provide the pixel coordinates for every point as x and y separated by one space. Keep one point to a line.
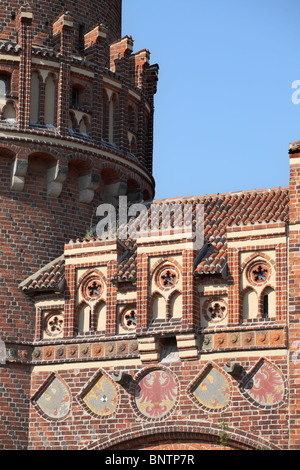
220 211
8 46
242 209
48 278
127 267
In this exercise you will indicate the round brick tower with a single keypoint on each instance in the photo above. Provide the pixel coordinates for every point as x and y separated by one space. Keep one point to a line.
76 107
76 130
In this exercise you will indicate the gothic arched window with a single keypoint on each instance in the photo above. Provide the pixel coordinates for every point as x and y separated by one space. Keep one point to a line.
4 85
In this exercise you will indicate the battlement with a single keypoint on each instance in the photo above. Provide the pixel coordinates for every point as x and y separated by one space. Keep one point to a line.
99 101
45 15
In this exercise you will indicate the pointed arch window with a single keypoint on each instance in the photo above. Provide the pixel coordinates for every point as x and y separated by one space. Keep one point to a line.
50 101
5 84
100 317
268 303
35 98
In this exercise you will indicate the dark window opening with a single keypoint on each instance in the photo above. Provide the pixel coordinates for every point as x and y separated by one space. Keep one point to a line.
75 97
81 38
266 306
4 85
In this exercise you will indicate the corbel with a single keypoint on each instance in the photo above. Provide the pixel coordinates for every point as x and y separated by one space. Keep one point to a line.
87 187
113 190
18 172
56 176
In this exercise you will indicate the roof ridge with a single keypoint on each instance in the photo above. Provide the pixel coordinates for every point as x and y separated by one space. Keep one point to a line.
216 195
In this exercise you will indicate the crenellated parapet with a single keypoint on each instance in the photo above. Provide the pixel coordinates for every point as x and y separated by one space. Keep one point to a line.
98 98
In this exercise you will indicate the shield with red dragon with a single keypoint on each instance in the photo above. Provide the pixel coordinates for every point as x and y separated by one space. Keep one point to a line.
156 393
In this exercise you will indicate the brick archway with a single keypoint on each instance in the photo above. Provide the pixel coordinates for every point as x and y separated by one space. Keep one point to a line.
173 436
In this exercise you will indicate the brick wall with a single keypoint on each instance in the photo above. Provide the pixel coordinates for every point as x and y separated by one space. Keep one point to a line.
14 406
250 427
294 299
51 183
85 14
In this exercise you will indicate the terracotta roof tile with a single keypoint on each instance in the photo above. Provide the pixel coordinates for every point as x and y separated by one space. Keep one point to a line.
48 278
252 207
220 211
127 267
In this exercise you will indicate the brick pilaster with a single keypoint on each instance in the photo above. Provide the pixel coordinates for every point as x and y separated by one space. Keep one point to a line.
281 282
143 315
141 62
152 79
188 291
25 41
233 287
70 301
62 32
111 302
96 49
120 53
294 300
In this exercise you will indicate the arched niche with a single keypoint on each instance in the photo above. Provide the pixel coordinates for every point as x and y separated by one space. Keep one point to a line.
250 304
133 191
39 163
9 112
268 303
175 305
84 318
50 100
158 307
35 98
100 317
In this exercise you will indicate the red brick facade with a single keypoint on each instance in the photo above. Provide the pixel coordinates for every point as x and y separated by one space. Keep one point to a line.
150 343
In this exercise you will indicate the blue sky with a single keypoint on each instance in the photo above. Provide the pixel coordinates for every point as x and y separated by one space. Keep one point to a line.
224 115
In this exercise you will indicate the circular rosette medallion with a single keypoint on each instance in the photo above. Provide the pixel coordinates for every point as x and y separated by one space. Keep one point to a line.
128 318
258 273
54 324
156 394
167 277
215 311
92 288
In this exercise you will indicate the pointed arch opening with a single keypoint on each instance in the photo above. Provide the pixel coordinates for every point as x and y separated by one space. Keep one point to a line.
268 303
35 98
100 317
158 307
175 305
83 317
50 100
250 304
